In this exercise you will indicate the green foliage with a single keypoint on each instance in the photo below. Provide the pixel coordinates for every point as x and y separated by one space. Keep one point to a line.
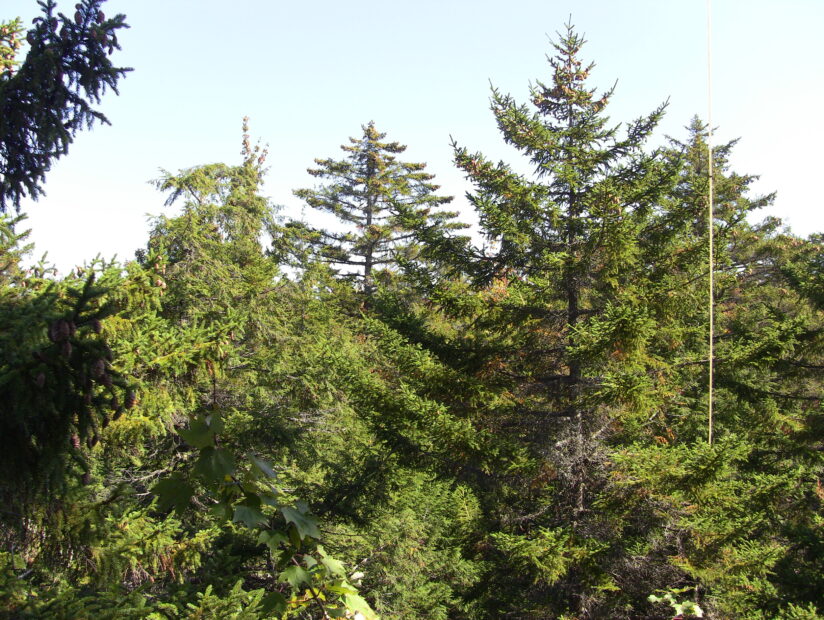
10 44
58 382
517 430
555 313
49 98
586 313
413 555
214 243
378 199
687 608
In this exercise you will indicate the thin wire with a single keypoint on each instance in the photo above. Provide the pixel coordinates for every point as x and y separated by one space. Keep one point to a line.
710 222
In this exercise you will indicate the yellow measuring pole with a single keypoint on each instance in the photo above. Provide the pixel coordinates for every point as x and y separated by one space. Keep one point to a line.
710 221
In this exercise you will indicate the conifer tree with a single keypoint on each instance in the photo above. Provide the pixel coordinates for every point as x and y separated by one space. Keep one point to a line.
57 382
727 520
49 97
522 436
219 279
189 325
566 240
558 322
374 195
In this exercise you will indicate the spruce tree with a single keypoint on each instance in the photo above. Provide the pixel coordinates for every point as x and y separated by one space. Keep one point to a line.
374 195
190 328
49 97
731 521
557 320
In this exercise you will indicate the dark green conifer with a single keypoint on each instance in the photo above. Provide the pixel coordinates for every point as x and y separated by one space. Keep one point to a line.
374 195
731 521
559 323
47 99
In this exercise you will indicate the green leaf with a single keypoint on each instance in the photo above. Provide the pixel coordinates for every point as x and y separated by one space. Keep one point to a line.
306 524
272 539
332 565
222 511
296 576
294 536
270 498
335 567
215 421
336 611
341 587
273 604
214 464
173 492
198 435
249 515
262 466
357 604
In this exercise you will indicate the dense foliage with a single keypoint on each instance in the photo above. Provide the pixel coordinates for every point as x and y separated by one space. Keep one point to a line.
48 98
379 200
259 418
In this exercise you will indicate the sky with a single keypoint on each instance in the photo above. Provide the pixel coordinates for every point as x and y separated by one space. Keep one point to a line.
309 74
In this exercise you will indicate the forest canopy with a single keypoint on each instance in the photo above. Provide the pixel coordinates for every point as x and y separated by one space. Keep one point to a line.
259 417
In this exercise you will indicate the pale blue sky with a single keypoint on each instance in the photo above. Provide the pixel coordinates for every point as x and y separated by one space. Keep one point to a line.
309 74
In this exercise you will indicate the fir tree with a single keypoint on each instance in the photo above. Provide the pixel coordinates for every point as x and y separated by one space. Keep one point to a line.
47 99
726 520
558 322
57 381
374 195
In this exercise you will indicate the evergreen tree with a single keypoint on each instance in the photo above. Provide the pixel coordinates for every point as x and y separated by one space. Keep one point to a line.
555 315
193 320
518 430
374 195
728 520
591 312
339 405
47 99
57 382
219 279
